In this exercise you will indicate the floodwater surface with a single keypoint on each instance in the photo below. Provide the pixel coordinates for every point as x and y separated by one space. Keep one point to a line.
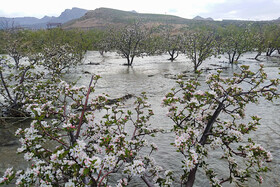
155 76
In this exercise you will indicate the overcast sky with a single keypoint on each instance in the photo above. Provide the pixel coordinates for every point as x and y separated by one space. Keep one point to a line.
217 9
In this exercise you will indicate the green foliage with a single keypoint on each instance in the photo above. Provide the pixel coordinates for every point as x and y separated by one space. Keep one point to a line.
17 45
171 42
272 38
199 45
57 58
236 41
129 41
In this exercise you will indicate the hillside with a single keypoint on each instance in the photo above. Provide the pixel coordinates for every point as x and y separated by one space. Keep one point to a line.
102 17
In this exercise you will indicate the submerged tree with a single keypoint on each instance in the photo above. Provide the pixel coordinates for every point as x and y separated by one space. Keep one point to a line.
103 42
259 43
236 41
129 41
214 119
199 45
272 38
94 148
172 43
80 41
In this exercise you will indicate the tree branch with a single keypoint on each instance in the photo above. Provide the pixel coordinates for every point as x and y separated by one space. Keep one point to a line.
84 109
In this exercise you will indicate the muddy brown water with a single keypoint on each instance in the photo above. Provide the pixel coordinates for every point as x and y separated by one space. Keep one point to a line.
155 76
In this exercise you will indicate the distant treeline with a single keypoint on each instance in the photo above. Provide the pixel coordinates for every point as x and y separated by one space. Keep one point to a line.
239 37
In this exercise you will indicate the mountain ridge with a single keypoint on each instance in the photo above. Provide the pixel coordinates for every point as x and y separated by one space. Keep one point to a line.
41 23
203 19
102 17
77 18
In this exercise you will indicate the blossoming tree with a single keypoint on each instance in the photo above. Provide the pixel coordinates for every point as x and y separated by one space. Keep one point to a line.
129 41
68 146
213 119
199 45
16 84
32 76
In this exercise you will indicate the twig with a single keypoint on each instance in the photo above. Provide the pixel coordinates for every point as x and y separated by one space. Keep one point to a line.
53 138
149 184
99 184
5 86
84 109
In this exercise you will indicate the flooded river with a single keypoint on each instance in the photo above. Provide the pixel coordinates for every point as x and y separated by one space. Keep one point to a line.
155 76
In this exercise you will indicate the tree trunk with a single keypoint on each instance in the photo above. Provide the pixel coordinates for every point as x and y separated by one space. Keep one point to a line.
131 60
128 61
148 183
202 141
191 177
237 58
101 52
232 58
172 55
16 59
270 51
259 54
229 58
195 64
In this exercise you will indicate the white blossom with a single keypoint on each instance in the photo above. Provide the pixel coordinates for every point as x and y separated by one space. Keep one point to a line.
135 169
188 165
109 162
28 156
235 133
70 184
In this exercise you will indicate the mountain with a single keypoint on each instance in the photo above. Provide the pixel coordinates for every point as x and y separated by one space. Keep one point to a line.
209 19
102 17
199 18
36 23
20 21
70 14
